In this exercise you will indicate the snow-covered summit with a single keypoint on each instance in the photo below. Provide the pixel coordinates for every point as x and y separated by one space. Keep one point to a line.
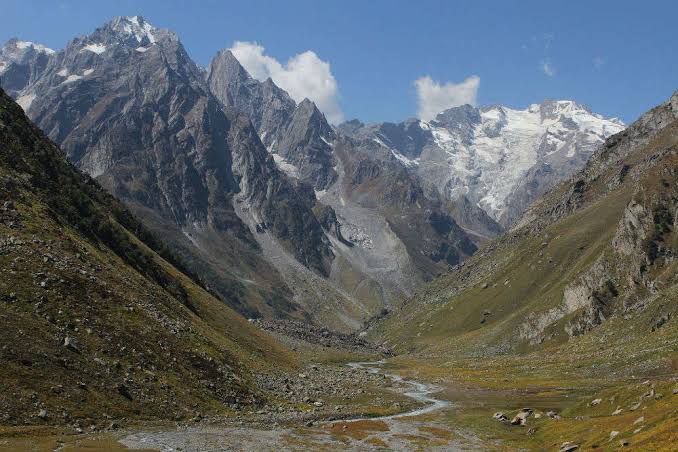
132 32
499 158
489 154
135 26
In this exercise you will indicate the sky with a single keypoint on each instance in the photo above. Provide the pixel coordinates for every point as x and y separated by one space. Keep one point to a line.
384 60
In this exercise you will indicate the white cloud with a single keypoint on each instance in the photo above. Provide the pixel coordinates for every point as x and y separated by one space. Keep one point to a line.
548 68
434 97
303 76
598 62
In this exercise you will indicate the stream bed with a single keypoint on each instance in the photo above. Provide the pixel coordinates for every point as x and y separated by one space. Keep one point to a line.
417 428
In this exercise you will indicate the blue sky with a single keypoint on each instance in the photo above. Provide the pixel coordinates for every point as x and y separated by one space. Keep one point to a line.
620 58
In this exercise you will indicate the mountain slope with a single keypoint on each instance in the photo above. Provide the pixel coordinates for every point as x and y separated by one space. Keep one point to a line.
97 320
598 249
572 314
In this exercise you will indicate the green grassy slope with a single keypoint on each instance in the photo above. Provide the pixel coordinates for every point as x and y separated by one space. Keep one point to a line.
96 320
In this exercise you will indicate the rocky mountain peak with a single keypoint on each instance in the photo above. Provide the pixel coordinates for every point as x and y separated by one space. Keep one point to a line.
131 32
136 29
350 127
308 112
227 65
457 117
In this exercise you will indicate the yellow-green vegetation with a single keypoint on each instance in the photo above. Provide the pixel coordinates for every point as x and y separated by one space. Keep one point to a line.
577 303
96 321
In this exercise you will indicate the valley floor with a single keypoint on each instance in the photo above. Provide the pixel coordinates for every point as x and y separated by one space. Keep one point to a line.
412 403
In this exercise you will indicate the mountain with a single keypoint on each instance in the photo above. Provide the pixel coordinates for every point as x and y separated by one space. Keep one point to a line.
130 108
281 214
297 135
388 237
99 320
593 256
21 63
500 159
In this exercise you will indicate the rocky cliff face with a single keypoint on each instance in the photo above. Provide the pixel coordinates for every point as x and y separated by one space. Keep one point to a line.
298 136
130 108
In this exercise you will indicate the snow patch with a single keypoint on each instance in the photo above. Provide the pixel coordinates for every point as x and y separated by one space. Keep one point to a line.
320 193
137 27
191 239
96 48
326 142
71 78
86 72
141 49
404 160
63 72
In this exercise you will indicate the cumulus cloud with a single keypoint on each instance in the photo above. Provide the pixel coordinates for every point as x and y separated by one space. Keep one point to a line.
434 97
303 76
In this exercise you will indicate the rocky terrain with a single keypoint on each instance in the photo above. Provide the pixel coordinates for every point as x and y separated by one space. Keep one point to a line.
130 108
616 261
352 343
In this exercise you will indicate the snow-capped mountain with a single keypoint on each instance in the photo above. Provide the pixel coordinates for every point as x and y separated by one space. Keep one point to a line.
499 158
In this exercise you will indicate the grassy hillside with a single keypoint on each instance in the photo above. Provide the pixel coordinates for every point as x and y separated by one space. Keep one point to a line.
97 321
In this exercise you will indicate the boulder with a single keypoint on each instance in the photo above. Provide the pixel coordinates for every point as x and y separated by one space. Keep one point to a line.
71 344
568 446
521 417
501 417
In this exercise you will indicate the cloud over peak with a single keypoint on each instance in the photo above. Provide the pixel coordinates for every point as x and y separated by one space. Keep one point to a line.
434 97
303 76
